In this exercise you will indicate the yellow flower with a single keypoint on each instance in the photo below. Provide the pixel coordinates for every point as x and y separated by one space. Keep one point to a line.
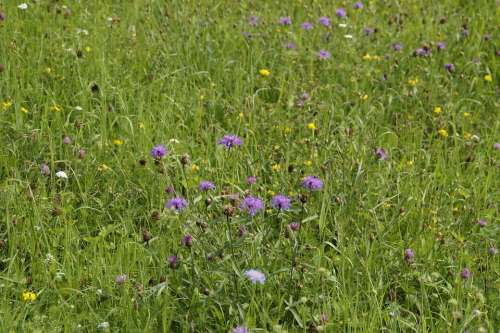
117 142
103 167
241 115
467 114
443 133
195 168
141 125
202 97
287 130
55 108
270 192
413 82
311 126
364 97
88 49
23 110
308 163
467 135
28 296
48 70
438 110
264 72
276 167
6 104
367 57
488 78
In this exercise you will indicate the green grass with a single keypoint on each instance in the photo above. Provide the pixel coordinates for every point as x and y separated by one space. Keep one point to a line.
182 73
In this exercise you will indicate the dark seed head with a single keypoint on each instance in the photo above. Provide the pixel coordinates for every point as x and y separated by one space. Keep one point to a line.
228 210
146 236
185 159
155 216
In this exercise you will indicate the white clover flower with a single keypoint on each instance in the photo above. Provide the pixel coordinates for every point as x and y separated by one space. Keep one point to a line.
61 174
342 25
348 36
23 6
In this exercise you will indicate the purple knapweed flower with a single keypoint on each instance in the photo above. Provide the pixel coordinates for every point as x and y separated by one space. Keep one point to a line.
255 276
251 180
449 67
368 31
324 21
158 151
381 154
169 190
253 20
206 185
482 223
285 20
409 256
187 240
120 279
67 140
291 46
496 146
240 329
340 12
172 261
280 202
441 46
465 273
397 46
44 169
242 231
422 52
230 141
252 205
294 226
358 5
306 26
177 203
312 183
324 54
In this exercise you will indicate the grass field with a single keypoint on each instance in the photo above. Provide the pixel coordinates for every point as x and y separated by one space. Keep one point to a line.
249 166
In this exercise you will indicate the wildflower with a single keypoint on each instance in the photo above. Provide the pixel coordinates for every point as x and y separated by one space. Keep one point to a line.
438 110
6 104
466 114
177 203
368 31
141 125
488 78
324 21
253 20
255 276
251 180
306 26
312 183
242 231
172 261
252 205
23 6
240 329
422 52
117 142
169 190
280 202
67 140
413 82
364 97
340 12
28 296
285 20
294 226
465 273
450 68
443 133
397 47
482 223
311 126
409 256
158 151
358 5
264 72
348 36
103 167
205 185
44 169
291 46
441 46
195 168
55 108
492 251
308 163
88 49
276 167
324 54
187 240
61 174
381 154
496 146
120 279
230 141
23 110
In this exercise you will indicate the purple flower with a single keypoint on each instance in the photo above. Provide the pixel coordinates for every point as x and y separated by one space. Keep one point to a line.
324 21
44 169
291 46
253 20
252 205
187 240
450 68
324 54
441 46
81 153
255 276
465 32
482 223
242 231
368 31
294 226
67 140
312 183
158 151
240 329
340 12
397 46
409 256
205 185
422 52
496 146
230 141
492 251
172 261
381 154
358 5
169 190
280 202
251 180
285 20
177 203
120 279
465 273
306 26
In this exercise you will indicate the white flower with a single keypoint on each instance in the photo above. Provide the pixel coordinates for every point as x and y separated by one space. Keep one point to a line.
342 25
61 174
78 108
23 6
348 36
174 141
103 326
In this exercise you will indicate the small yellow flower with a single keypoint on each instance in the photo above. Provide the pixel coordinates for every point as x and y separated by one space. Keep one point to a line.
467 135
270 192
443 133
202 97
241 115
55 108
413 82
88 49
438 110
6 104
117 142
367 57
287 130
103 167
364 97
467 114
276 167
141 125
23 109
28 296
195 168
48 70
264 72
308 163
311 126
488 78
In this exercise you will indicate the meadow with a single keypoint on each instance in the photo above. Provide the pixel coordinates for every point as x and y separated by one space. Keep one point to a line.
249 166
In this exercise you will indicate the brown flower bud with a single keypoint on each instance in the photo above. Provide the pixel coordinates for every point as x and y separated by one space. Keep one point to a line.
229 210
